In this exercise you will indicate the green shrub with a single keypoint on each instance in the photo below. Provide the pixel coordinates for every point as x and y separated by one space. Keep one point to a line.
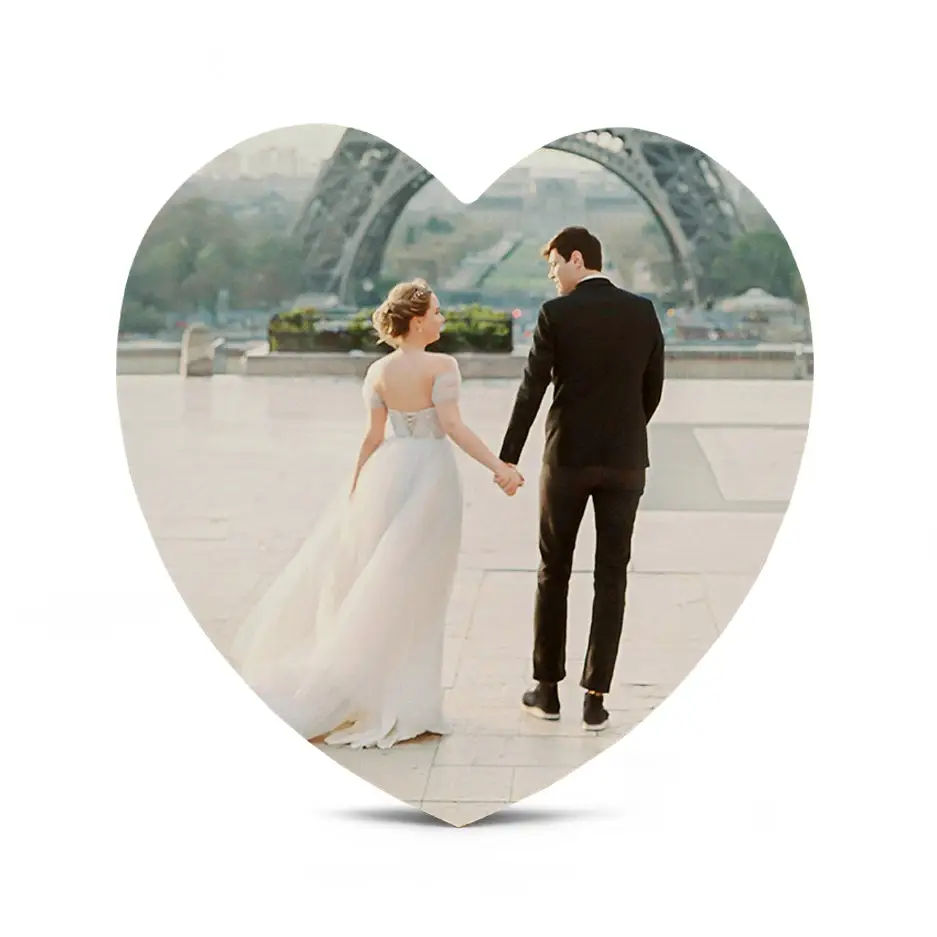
294 331
140 319
475 328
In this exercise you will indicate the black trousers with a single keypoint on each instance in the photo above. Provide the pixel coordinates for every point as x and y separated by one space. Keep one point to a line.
564 493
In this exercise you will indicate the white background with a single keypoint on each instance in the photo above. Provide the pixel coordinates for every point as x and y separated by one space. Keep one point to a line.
786 787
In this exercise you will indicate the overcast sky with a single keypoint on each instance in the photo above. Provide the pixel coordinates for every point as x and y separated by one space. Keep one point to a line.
317 141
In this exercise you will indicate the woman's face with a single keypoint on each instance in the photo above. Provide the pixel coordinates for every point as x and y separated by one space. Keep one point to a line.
432 321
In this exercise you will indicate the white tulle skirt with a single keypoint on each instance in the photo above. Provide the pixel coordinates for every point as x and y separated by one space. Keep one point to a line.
351 633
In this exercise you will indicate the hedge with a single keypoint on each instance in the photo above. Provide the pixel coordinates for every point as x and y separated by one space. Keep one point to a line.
473 328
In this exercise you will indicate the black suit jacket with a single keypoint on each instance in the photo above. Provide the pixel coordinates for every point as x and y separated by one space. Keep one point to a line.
603 350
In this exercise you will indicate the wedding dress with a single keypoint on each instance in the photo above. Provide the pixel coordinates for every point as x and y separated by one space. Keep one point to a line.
350 634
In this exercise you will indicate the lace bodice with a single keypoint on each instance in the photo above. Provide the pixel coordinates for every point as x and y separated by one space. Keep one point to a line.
417 424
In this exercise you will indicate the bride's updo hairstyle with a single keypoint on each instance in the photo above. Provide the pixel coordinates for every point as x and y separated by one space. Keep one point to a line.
405 302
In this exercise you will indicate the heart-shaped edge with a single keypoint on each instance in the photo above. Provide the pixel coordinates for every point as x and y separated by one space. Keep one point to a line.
421 807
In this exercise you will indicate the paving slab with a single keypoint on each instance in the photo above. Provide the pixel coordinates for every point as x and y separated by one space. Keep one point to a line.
232 472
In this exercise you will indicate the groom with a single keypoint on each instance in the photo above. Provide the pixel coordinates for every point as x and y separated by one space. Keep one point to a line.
603 350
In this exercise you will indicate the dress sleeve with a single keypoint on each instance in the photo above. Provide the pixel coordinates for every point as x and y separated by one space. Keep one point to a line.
372 399
446 386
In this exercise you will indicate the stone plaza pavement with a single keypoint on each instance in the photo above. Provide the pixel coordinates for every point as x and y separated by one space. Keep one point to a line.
232 471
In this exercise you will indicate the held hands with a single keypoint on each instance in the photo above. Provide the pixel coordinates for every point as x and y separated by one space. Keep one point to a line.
508 479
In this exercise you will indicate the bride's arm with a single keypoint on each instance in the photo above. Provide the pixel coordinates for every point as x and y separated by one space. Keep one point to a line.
373 438
450 418
374 434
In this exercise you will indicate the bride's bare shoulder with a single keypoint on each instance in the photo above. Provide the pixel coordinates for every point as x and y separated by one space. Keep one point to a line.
376 368
441 362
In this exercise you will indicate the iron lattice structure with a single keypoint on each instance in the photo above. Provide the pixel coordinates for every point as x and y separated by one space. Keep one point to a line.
366 184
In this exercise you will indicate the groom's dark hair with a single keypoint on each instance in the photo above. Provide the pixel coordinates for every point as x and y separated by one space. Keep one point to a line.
580 239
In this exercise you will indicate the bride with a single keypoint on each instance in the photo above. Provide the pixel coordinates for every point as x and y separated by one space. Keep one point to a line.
348 641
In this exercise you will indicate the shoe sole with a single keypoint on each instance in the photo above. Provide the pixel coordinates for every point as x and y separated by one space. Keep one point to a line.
540 714
595 728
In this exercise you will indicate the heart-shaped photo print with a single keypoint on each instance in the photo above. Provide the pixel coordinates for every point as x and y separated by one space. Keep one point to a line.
463 492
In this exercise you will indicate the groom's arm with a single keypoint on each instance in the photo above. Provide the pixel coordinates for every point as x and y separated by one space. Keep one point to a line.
653 382
537 377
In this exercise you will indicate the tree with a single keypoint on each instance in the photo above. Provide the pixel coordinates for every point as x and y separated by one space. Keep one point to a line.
134 317
757 259
275 268
196 248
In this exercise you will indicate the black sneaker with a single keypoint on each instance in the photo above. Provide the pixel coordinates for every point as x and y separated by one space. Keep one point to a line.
594 714
543 701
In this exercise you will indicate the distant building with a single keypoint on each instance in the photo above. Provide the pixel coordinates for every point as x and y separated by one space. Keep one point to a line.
287 162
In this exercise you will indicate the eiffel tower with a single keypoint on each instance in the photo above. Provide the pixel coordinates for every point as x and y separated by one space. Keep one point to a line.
366 184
